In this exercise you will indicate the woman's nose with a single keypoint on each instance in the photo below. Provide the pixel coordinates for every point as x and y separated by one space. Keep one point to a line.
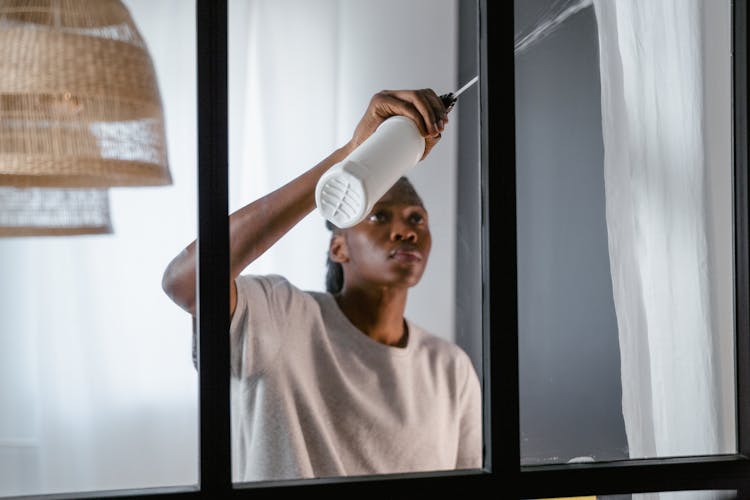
401 232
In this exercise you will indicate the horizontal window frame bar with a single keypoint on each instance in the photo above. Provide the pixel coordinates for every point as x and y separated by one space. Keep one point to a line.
720 472
726 472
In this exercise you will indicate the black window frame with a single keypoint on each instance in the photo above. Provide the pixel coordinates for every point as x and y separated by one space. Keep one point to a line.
502 476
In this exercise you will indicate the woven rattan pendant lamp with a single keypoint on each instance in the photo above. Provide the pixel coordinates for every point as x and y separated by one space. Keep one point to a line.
53 211
79 101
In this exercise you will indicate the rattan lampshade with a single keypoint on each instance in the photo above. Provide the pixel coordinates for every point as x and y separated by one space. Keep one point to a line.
53 211
79 100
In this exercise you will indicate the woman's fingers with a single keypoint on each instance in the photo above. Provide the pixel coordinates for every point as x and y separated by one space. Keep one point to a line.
391 105
439 108
429 107
429 144
424 107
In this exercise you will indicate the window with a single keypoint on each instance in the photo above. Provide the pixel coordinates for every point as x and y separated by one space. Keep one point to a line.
502 472
99 392
626 319
725 469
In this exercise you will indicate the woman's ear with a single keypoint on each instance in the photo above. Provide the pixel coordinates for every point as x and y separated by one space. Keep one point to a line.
337 249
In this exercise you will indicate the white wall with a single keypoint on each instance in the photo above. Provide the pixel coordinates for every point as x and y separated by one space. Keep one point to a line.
375 58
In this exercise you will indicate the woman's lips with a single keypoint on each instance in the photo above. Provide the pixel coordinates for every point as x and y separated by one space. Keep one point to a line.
406 255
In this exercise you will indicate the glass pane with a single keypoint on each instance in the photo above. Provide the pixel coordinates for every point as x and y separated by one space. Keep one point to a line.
350 402
98 390
625 229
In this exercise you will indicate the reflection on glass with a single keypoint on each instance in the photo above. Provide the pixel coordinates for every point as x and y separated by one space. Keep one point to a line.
97 388
624 171
335 373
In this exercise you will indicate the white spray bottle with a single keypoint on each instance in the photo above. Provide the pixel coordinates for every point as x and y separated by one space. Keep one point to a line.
346 193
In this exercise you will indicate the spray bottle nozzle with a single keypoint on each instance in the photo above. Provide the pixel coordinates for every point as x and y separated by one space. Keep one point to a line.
449 99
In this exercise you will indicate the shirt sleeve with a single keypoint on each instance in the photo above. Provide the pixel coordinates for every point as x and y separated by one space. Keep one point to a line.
470 436
255 334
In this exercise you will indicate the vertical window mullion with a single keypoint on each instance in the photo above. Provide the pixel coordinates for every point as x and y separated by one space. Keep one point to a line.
500 297
742 293
213 248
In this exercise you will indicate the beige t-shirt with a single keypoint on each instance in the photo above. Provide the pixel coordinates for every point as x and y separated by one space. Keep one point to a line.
312 396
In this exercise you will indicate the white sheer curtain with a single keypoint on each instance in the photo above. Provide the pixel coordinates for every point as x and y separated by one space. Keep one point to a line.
283 101
662 167
98 390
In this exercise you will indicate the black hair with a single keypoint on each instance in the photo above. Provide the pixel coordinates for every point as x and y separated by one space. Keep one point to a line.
334 270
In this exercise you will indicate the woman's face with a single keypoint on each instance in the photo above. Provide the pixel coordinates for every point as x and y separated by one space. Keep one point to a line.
391 246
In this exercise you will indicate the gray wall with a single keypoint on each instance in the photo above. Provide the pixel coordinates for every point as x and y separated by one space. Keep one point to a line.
568 348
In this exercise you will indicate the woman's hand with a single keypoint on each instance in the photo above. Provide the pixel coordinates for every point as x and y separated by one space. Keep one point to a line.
424 107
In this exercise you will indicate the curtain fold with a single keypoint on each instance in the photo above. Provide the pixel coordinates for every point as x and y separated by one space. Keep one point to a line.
653 118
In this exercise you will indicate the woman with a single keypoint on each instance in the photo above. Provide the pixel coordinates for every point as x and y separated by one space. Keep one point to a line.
340 383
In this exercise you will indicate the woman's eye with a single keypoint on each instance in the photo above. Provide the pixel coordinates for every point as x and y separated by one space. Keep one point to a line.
417 218
377 217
